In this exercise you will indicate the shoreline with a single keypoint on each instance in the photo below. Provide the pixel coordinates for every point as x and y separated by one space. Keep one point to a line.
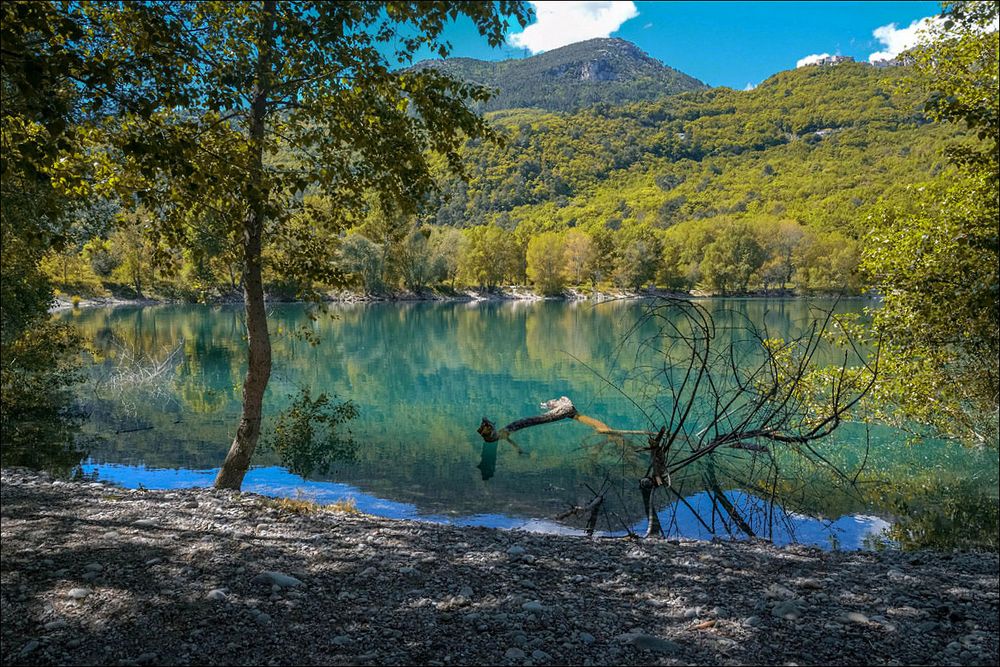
467 296
98 574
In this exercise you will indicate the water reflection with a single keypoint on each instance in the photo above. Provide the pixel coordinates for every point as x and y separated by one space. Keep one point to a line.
680 520
422 376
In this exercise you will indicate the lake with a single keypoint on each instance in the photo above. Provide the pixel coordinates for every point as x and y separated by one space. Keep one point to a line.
164 387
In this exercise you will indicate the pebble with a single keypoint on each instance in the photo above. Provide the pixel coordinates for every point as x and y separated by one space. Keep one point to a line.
787 610
473 605
279 579
650 643
216 595
78 593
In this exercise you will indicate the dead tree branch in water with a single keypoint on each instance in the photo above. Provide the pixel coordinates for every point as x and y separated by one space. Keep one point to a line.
713 387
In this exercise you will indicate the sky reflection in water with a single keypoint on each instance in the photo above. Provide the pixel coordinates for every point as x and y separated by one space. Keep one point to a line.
846 532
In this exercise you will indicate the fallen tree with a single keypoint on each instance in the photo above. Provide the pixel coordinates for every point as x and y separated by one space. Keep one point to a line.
752 392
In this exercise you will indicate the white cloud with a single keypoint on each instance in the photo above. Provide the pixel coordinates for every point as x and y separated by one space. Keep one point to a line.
561 23
750 85
896 40
811 59
648 26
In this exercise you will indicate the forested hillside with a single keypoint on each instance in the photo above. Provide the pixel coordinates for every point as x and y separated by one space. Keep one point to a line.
718 190
812 144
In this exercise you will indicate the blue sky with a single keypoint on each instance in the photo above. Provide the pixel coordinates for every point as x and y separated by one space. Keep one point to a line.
722 43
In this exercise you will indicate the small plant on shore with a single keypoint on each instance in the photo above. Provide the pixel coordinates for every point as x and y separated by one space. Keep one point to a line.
345 506
301 505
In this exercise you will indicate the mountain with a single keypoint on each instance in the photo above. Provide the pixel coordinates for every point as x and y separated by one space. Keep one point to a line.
819 145
572 77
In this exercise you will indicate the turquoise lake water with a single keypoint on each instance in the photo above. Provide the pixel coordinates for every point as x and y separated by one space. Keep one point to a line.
163 397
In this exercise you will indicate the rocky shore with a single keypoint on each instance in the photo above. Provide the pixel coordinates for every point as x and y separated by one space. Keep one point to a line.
95 574
511 293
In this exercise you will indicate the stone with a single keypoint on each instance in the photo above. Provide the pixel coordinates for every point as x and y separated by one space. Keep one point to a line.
855 617
532 606
341 640
78 593
58 624
516 550
279 579
216 595
646 642
787 610
93 567
752 621
514 654
587 638
778 592
539 655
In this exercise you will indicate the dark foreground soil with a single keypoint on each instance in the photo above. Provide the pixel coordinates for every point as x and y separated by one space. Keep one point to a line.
94 574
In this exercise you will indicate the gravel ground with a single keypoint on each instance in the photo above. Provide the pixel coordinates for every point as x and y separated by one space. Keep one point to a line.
95 574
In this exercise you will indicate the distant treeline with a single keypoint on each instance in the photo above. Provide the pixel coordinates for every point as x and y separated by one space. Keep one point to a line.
719 190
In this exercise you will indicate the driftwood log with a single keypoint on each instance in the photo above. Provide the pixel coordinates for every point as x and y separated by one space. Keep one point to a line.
556 410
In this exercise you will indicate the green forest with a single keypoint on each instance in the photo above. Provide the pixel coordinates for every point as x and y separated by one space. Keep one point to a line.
720 191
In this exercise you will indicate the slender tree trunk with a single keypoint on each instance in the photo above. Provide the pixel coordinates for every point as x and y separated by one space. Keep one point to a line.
258 341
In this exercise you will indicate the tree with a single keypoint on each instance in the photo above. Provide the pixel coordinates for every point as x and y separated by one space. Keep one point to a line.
416 263
732 258
686 373
579 249
135 249
546 262
446 245
603 255
639 258
238 84
826 261
491 255
935 259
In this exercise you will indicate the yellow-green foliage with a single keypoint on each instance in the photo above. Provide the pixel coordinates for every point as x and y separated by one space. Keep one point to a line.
300 505
546 262
644 192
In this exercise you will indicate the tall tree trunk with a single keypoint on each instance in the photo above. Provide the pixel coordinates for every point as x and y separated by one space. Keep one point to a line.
258 341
